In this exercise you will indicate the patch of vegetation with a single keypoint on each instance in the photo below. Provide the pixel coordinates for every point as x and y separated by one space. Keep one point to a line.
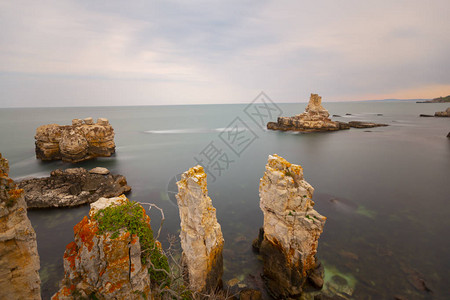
132 217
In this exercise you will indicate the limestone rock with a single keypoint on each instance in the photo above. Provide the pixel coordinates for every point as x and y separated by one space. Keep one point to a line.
291 228
72 187
315 118
104 265
19 259
77 142
99 170
201 235
444 114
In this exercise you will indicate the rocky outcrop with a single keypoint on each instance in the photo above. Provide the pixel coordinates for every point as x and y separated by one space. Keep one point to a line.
444 114
19 259
440 114
106 262
315 118
80 141
289 238
73 187
201 235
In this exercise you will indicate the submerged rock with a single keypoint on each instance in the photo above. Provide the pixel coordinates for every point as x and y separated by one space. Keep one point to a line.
73 187
359 124
289 240
106 263
77 142
19 259
201 235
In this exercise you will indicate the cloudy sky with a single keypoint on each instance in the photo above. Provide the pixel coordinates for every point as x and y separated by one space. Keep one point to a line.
85 52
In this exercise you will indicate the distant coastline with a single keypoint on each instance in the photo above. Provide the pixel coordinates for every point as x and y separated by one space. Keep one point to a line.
437 100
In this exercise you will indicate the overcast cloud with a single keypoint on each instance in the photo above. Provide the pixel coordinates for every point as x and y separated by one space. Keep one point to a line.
76 53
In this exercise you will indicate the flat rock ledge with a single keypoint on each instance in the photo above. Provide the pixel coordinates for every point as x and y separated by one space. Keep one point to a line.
201 235
73 187
439 114
19 259
315 118
80 141
288 240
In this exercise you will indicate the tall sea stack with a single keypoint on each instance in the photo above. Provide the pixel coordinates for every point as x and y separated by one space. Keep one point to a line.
19 259
201 235
289 238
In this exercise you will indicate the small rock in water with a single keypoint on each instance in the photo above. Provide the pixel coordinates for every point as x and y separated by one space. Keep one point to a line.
99 170
232 282
250 294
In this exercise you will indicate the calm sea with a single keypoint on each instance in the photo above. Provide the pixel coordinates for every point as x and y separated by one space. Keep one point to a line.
385 191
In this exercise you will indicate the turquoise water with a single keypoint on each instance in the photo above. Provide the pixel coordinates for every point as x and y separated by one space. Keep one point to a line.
385 192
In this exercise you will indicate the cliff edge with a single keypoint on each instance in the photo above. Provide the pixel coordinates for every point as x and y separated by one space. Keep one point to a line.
19 259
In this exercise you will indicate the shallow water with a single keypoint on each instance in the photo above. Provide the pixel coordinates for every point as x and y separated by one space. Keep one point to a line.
385 192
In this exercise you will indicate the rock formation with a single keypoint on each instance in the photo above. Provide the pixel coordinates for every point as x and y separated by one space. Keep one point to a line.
441 114
444 114
288 241
19 259
107 263
315 118
201 235
77 142
73 187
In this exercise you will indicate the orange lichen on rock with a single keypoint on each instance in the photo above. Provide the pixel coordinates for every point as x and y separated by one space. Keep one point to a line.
86 230
201 235
107 264
19 259
291 228
71 253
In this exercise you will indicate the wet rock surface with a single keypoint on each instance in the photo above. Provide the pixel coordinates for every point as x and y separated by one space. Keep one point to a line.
73 187
291 229
19 259
106 265
201 235
77 142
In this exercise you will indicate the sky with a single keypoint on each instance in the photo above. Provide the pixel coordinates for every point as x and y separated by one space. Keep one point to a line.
108 52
